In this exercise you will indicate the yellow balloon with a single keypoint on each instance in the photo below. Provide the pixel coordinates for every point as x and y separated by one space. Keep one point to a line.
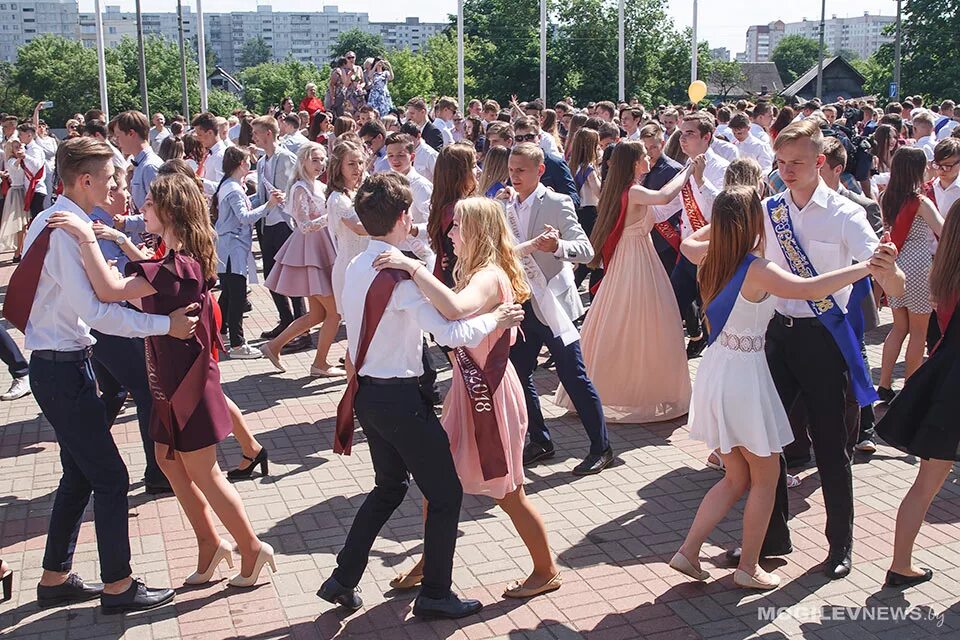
697 90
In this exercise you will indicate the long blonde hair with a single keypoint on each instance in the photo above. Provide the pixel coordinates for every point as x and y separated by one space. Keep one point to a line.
495 169
486 242
300 172
181 205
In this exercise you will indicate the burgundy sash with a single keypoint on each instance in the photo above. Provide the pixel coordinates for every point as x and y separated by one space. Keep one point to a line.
697 220
33 180
481 385
610 244
378 295
446 223
931 193
23 283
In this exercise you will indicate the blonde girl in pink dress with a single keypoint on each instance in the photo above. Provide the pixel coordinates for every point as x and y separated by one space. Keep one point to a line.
486 430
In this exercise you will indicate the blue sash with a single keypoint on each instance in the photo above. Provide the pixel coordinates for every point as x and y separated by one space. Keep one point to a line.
494 189
719 309
941 123
826 309
582 174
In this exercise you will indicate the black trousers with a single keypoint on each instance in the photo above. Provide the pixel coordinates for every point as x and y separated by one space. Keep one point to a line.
36 205
807 366
11 355
232 301
272 238
588 218
405 437
684 281
933 332
67 395
121 363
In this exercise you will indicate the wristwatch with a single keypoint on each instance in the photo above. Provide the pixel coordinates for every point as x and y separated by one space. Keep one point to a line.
121 240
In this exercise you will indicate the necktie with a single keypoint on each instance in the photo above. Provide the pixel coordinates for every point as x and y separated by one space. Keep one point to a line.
23 283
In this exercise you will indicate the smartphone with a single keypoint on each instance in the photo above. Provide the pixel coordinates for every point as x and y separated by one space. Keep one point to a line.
46 104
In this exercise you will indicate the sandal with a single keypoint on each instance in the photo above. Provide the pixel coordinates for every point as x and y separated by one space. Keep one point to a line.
715 462
518 591
793 481
407 580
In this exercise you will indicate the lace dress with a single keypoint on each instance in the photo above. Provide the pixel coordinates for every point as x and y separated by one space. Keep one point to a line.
348 244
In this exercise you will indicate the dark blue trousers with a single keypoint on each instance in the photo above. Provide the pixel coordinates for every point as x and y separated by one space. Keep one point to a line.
67 395
572 374
121 363
684 281
11 355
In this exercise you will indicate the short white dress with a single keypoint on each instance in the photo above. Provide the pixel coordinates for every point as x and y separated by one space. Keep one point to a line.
348 244
735 403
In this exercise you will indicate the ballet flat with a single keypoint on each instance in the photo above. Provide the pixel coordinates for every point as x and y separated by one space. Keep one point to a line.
743 579
224 552
517 590
895 579
264 557
684 566
331 372
405 581
272 357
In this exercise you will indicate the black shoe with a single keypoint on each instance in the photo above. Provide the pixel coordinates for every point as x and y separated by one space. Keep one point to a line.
594 463
534 452
800 461
696 347
449 607
886 394
900 580
732 556
838 565
301 343
158 488
112 406
248 307
273 333
16 259
139 597
335 593
549 363
72 591
260 460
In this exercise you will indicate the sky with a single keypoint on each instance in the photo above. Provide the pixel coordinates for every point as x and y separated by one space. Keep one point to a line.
723 23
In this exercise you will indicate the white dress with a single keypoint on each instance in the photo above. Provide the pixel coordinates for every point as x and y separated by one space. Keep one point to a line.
735 403
348 244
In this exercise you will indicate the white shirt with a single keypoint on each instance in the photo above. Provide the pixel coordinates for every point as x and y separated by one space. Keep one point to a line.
446 130
927 143
35 160
156 138
726 150
422 190
396 348
65 306
946 130
525 208
119 160
425 159
945 197
833 231
15 172
760 134
213 168
753 147
723 129
234 132
548 144
634 136
704 194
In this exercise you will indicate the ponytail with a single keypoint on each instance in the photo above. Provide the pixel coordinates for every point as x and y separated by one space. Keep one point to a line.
233 158
215 201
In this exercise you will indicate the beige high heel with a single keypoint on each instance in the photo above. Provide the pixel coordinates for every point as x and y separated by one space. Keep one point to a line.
683 565
764 581
224 552
264 557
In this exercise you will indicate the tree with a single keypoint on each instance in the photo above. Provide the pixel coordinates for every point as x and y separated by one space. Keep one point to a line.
266 84
585 51
930 64
64 71
255 51
12 98
365 45
725 76
412 76
794 55
504 57
440 56
222 103
847 54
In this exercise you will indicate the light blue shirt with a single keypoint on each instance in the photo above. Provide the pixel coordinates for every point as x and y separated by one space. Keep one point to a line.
145 167
234 226
110 249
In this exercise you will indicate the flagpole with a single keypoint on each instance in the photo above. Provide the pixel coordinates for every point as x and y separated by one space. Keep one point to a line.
101 62
202 57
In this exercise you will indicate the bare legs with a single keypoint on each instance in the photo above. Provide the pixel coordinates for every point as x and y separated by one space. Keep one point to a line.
745 471
321 309
913 509
248 443
202 490
905 324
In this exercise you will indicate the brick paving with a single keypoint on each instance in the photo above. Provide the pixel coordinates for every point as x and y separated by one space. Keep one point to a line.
613 534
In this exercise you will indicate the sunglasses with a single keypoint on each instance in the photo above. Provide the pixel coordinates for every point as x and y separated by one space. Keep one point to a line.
527 137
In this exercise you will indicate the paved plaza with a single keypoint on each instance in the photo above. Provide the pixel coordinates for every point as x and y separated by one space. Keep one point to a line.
613 533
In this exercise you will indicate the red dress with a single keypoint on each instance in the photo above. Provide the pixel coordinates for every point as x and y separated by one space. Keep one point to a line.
189 409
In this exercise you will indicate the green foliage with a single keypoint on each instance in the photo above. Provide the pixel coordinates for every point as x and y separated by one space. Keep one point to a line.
255 51
266 84
794 55
61 70
877 71
12 99
412 76
849 55
222 102
930 65
725 76
440 56
365 45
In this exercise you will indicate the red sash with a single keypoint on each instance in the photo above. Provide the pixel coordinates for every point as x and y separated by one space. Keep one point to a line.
4 186
33 179
610 244
22 288
446 223
944 314
905 218
931 193
481 385
669 233
378 295
697 220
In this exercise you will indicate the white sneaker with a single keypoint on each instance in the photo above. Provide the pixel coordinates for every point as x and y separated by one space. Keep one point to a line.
19 388
245 352
867 446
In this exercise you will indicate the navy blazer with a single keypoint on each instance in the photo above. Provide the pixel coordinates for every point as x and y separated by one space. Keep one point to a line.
557 176
432 136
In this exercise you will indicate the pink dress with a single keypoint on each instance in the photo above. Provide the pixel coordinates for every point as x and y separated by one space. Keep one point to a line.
304 264
511 412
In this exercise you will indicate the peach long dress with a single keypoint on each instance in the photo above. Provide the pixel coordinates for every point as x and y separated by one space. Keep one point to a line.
632 337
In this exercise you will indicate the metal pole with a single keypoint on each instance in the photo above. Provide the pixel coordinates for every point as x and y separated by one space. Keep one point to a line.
693 50
101 63
202 57
543 51
461 92
183 63
896 56
144 98
621 44
823 19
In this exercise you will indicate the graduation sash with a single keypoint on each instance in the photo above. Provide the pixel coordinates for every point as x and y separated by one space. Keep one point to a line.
692 207
719 309
33 179
826 309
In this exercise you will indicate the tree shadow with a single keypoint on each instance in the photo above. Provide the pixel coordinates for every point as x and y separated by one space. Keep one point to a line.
293 447
22 438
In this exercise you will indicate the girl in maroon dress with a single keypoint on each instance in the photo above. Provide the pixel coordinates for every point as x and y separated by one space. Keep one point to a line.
190 414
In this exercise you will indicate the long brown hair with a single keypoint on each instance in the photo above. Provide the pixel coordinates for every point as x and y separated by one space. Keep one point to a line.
906 180
785 117
583 150
881 138
182 207
673 149
736 229
945 275
620 176
453 180
487 241
495 168
233 159
335 180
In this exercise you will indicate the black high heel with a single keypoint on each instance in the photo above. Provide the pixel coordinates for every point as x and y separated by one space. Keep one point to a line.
7 579
260 460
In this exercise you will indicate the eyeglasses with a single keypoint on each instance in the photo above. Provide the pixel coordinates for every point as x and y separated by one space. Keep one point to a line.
527 137
945 166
